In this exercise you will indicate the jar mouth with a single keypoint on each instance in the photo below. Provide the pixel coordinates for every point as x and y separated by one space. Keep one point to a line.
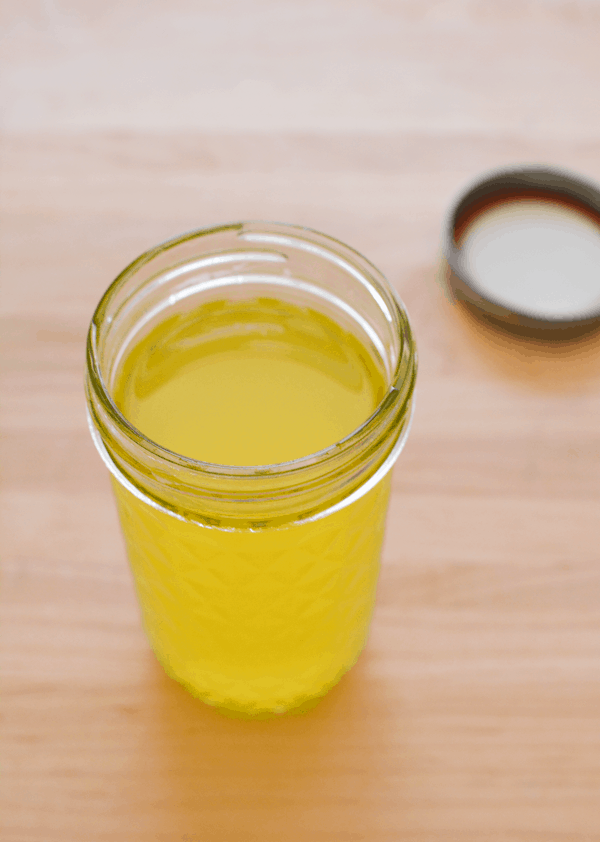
399 391
188 270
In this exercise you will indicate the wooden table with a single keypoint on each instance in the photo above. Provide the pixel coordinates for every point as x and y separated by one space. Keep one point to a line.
474 713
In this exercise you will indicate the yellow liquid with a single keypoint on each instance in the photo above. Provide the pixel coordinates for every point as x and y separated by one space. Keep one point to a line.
253 621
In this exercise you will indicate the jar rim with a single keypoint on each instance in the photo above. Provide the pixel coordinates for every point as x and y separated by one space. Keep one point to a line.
397 392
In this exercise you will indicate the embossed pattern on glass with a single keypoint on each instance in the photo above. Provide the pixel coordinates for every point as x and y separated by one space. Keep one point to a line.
256 621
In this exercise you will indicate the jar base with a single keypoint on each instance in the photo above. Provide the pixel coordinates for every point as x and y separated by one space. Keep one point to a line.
234 709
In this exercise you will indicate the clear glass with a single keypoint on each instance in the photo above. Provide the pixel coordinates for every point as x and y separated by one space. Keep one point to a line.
256 584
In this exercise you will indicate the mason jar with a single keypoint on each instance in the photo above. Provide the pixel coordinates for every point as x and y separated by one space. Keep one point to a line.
256 575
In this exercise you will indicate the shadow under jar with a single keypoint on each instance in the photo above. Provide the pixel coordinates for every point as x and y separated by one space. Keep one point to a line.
249 388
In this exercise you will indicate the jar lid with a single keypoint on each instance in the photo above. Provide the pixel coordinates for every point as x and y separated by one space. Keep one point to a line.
523 247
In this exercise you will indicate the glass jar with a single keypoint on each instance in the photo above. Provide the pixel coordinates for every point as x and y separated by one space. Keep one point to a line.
257 583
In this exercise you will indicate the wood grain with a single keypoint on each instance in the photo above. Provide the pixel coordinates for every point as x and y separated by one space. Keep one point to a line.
474 713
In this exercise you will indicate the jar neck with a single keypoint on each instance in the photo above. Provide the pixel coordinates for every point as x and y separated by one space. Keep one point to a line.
263 500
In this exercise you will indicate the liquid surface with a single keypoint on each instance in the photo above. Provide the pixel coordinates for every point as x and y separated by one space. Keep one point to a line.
254 383
535 256
254 622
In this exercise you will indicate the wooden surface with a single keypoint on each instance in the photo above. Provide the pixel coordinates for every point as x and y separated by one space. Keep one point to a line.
474 713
